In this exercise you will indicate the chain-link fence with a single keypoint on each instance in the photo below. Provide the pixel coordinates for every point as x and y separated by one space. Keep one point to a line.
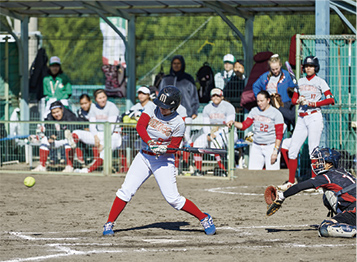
337 56
49 148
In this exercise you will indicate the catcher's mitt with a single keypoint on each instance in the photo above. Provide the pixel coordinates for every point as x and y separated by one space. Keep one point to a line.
272 199
270 194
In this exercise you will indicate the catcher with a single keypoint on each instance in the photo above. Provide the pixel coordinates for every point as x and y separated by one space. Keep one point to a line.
339 194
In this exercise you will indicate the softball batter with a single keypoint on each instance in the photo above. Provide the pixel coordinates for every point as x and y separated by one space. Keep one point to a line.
309 123
159 129
268 133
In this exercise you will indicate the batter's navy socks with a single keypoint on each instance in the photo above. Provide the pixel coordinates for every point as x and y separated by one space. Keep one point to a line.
208 225
108 229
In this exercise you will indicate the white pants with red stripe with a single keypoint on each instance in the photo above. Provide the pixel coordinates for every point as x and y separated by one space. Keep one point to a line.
260 155
308 126
88 138
163 169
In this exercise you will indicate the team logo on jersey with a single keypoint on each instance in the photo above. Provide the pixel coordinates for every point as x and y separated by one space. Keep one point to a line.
159 126
163 98
264 119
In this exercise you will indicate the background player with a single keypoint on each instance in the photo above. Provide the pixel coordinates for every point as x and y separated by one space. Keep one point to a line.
56 136
159 129
309 123
102 111
268 133
217 112
339 193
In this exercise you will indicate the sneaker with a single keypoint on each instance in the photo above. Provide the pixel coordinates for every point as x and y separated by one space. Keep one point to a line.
108 229
208 225
198 173
68 136
68 169
285 186
39 168
83 170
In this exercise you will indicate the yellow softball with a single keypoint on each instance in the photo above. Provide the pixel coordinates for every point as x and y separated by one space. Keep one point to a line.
29 181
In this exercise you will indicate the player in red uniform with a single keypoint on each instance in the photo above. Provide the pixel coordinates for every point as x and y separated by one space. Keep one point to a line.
309 124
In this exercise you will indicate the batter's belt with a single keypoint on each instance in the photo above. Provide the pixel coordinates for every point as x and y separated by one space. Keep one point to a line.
308 113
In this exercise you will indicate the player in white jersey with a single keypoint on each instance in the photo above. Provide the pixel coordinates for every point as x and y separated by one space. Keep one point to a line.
268 125
159 130
308 95
216 112
102 111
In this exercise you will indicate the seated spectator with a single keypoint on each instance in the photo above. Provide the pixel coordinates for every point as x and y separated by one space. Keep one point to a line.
276 82
102 111
85 104
216 112
222 78
57 135
83 115
56 86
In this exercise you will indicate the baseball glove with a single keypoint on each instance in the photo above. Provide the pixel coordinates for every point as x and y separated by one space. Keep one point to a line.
272 199
249 137
270 194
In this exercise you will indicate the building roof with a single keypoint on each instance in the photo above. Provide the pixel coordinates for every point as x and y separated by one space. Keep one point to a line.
44 8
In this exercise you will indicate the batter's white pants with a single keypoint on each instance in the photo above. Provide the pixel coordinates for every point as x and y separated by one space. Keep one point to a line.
308 126
163 169
260 155
57 143
88 138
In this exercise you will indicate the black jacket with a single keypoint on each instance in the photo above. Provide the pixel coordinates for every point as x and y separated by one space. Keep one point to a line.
58 129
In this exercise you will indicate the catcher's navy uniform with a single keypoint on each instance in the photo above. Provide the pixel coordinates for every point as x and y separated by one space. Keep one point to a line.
335 180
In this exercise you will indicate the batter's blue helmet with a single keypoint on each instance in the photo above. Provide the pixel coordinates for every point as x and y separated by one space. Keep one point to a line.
311 60
168 98
320 156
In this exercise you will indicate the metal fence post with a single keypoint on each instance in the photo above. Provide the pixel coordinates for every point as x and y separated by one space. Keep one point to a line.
107 149
231 153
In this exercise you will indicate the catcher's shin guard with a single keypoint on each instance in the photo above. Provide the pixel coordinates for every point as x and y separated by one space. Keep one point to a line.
330 229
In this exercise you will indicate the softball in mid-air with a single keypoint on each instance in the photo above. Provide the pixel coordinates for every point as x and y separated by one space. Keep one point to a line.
29 181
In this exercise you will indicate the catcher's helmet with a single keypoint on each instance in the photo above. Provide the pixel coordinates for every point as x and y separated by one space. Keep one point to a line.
320 156
168 98
311 60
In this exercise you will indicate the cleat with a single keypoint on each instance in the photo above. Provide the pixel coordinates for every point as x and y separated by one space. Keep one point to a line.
208 225
39 168
108 229
83 170
68 136
68 169
285 186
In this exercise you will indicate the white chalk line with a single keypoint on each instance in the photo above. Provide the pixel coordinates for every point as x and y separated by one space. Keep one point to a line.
64 247
224 190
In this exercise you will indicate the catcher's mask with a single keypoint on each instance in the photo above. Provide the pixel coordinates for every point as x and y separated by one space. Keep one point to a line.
320 156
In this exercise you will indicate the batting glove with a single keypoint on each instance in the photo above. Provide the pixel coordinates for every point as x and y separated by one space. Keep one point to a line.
159 150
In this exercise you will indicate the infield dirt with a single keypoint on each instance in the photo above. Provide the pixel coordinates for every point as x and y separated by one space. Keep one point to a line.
61 219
